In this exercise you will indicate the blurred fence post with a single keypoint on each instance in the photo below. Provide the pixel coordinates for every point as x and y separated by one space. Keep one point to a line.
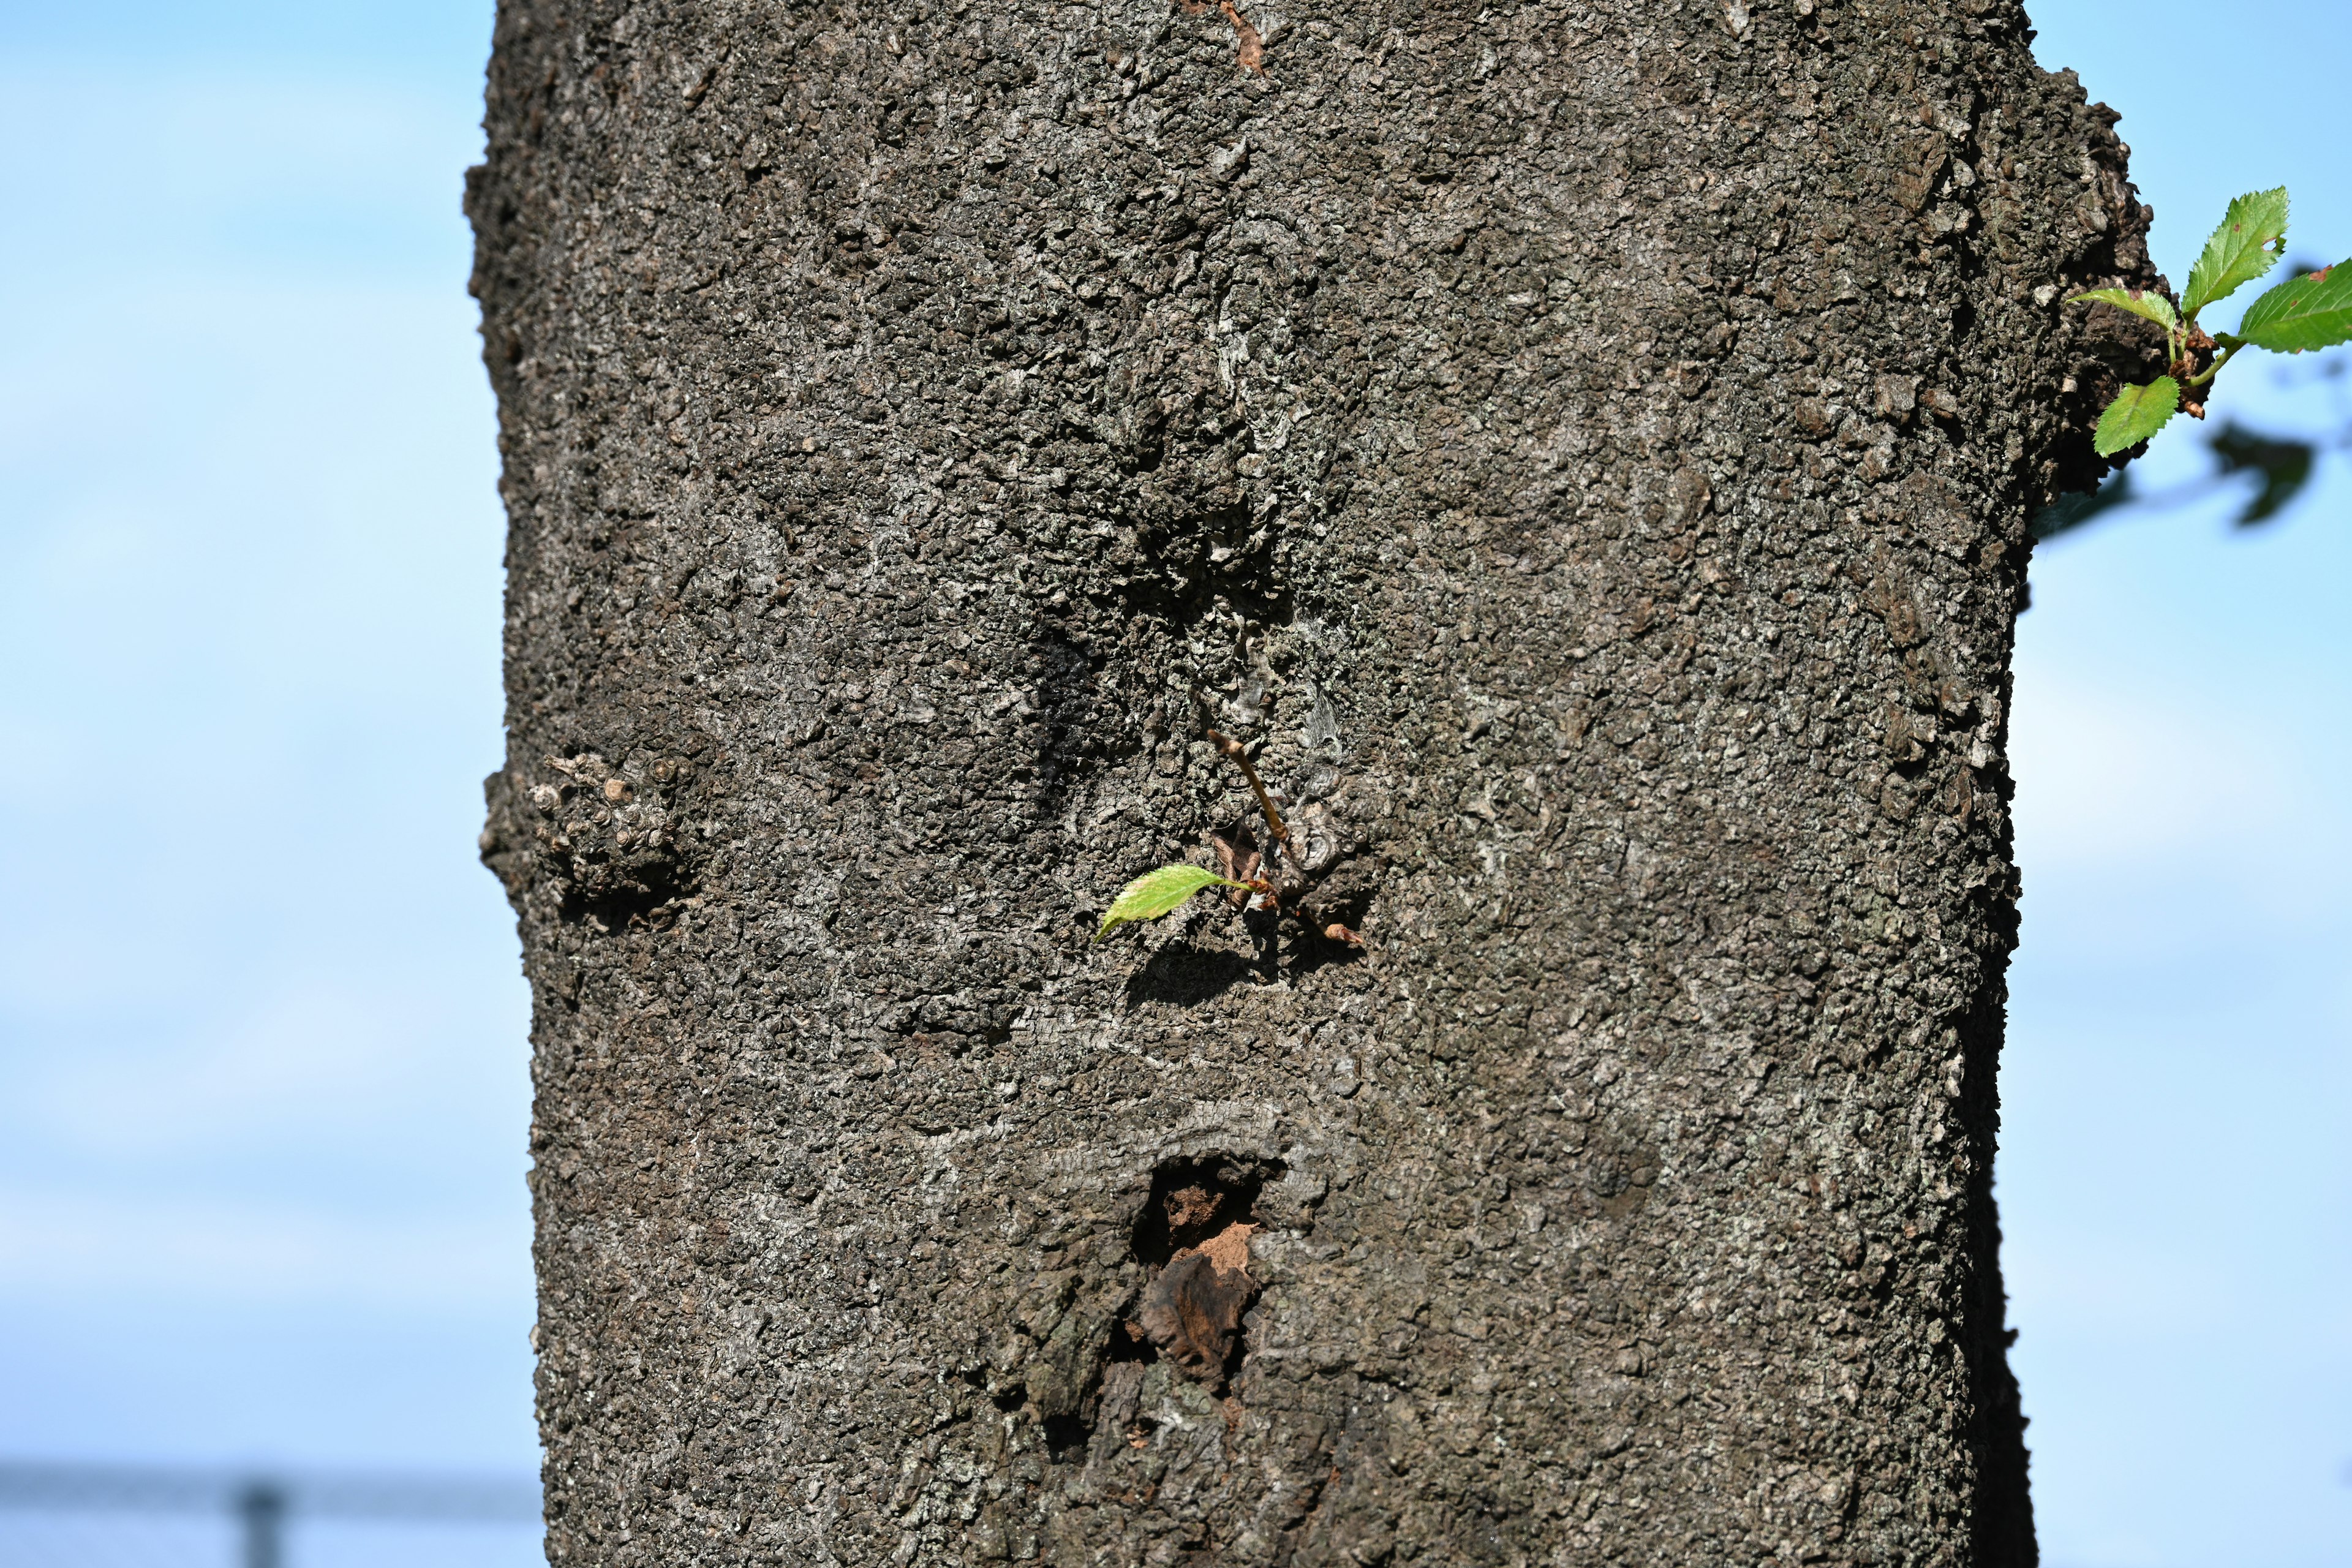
261 1513
262 1508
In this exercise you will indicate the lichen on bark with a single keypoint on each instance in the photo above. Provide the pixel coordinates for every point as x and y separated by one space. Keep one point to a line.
1586 449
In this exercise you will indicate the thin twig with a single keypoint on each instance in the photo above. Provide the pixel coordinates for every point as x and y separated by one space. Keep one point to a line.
1233 749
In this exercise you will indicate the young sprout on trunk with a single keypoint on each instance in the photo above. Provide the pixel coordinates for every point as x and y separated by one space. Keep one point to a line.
2310 310
1282 887
1155 893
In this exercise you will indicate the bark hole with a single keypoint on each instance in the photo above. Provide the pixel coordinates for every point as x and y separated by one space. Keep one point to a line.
1194 1236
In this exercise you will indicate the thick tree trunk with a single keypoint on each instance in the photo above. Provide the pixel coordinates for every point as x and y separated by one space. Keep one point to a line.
1585 449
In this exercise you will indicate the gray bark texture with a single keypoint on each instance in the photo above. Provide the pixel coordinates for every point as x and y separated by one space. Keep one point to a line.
1583 447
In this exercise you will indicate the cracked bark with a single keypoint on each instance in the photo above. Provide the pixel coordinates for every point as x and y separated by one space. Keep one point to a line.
1585 450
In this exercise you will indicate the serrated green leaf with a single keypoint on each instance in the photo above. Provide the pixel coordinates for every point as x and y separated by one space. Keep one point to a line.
1155 893
2138 412
2245 246
2313 312
2139 303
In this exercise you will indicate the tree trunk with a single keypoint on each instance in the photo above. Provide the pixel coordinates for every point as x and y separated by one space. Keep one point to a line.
1584 451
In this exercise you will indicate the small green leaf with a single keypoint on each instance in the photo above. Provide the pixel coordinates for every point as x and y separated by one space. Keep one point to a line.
2138 412
2245 246
2314 311
1155 893
2139 303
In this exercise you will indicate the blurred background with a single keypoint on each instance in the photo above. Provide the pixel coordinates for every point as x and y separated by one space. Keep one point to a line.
263 1076
264 1240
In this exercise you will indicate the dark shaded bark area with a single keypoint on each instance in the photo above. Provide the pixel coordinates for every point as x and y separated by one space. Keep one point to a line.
1586 449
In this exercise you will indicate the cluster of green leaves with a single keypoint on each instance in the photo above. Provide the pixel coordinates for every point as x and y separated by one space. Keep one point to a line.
2311 310
1155 893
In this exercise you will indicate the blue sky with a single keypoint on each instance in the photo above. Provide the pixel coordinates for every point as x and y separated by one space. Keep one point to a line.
261 1033
2176 1173
263 1094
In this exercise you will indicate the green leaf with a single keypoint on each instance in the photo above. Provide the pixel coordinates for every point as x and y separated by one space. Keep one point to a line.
2138 412
2139 303
2245 246
2314 311
1155 893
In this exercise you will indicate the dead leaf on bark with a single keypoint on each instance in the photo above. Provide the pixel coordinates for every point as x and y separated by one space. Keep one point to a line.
1189 1208
1237 858
1253 48
1229 1248
1193 1311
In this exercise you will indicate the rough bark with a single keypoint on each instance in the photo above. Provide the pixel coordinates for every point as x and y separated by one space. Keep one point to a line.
1586 449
